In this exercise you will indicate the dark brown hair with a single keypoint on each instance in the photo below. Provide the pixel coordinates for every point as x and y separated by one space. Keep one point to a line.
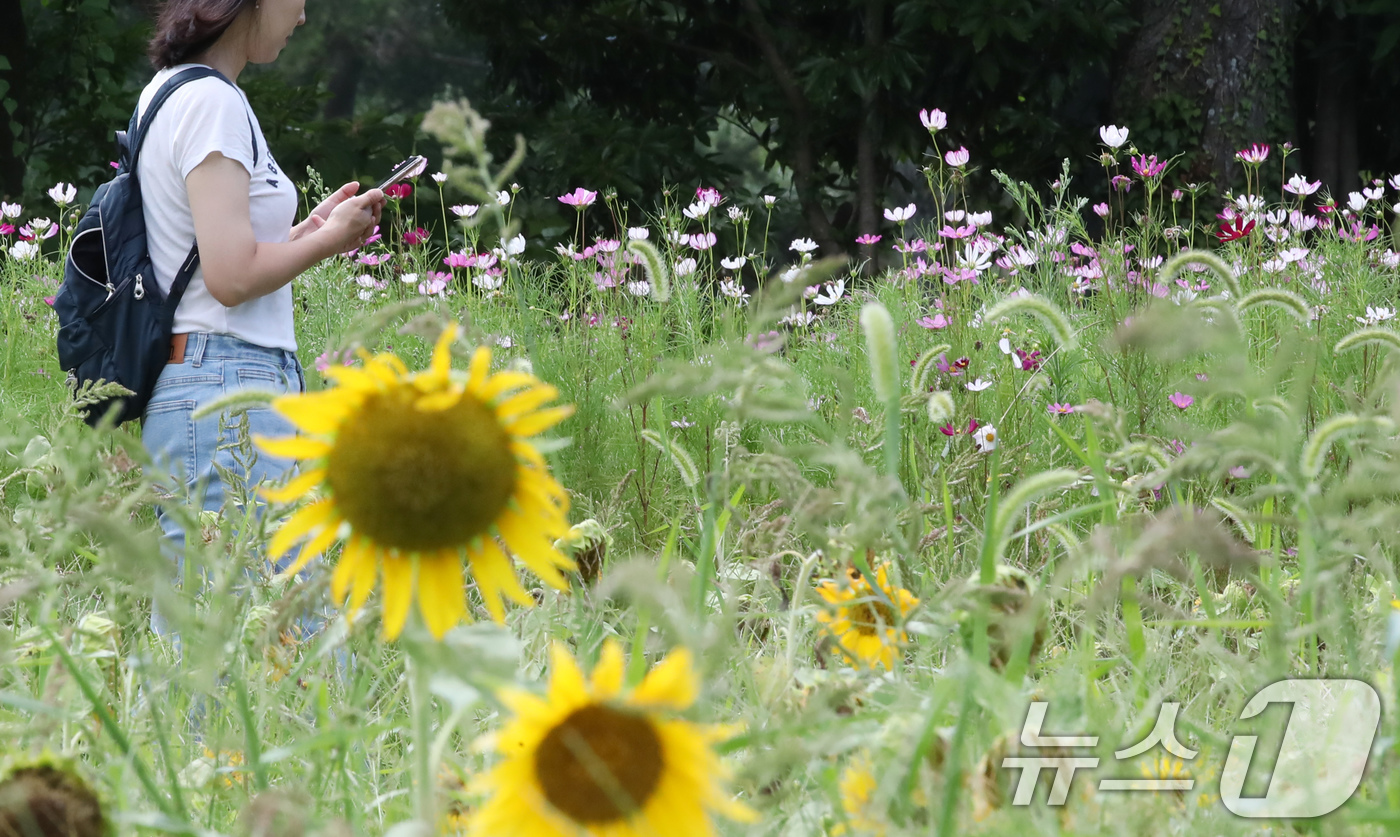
186 28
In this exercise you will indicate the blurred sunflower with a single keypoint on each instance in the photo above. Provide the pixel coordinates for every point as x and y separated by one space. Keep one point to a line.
420 468
864 625
589 759
857 786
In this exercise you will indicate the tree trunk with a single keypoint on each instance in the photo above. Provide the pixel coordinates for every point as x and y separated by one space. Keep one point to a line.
1334 155
1222 66
344 83
14 47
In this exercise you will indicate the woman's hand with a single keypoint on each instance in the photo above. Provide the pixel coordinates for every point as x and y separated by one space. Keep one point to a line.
350 220
318 216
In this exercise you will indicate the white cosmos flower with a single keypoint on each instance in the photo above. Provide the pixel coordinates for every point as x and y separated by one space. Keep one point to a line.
801 319
1005 345
366 294
1375 316
697 210
702 241
1113 136
10 210
504 342
409 278
1356 201
769 200
900 214
978 385
803 245
954 216
831 293
503 198
642 288
515 246
439 177
63 193
1374 193
685 267
979 219
733 289
733 262
487 282
1390 258
735 213
638 233
985 437
465 210
24 250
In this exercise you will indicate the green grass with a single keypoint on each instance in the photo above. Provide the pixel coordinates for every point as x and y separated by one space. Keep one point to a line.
1157 574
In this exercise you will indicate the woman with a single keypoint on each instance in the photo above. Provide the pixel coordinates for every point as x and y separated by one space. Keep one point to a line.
207 175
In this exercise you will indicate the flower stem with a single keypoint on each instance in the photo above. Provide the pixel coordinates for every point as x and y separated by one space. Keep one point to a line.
421 708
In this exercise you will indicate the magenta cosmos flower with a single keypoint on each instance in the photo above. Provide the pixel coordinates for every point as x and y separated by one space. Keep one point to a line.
1180 400
1255 154
1148 166
1060 409
935 322
579 198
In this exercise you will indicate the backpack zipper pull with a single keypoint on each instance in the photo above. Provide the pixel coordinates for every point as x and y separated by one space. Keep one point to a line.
140 288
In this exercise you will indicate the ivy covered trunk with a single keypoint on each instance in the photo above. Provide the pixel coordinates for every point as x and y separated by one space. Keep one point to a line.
1210 75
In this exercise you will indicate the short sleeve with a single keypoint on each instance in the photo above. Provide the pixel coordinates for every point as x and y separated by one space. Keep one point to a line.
210 116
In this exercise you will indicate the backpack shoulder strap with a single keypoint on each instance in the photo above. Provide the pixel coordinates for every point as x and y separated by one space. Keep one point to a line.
172 84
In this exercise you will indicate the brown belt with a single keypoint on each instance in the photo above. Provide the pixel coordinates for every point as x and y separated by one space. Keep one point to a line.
177 347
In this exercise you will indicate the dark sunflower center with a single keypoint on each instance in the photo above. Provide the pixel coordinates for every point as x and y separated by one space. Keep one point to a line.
868 617
599 764
420 481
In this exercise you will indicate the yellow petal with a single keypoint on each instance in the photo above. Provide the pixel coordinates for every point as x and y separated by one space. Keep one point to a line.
495 577
315 546
439 401
672 684
566 684
357 553
293 447
299 485
534 550
441 597
527 401
441 366
316 514
398 594
349 377
539 421
365 572
527 452
317 412
480 369
607 674
503 382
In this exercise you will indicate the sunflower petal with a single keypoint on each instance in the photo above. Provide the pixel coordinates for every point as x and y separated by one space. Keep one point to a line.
526 401
607 674
347 569
294 489
532 548
503 382
293 447
398 594
480 369
566 683
316 514
539 421
365 573
527 452
495 577
314 547
441 599
439 401
672 684
317 412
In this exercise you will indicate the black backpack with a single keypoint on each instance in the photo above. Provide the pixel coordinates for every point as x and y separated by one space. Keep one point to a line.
114 323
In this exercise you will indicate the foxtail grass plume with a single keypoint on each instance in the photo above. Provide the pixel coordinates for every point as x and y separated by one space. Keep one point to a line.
879 346
421 471
594 758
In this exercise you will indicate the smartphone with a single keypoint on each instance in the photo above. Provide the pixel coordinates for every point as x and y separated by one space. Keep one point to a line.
412 167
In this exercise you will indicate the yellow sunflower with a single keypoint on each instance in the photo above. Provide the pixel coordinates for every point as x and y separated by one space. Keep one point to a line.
420 469
857 786
864 626
590 758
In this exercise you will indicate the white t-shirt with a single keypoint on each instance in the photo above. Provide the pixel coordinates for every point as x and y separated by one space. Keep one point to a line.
201 117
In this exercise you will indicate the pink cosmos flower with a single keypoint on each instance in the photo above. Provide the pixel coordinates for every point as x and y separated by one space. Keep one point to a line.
701 241
957 159
7 229
965 231
709 195
868 239
372 260
417 235
1301 186
937 321
1101 210
933 120
1060 409
1147 166
579 198
463 259
950 429
1180 400
1255 154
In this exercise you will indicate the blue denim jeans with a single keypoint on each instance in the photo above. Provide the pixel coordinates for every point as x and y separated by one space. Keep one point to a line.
185 450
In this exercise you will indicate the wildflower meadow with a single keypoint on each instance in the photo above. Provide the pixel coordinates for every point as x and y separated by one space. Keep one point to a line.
666 526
